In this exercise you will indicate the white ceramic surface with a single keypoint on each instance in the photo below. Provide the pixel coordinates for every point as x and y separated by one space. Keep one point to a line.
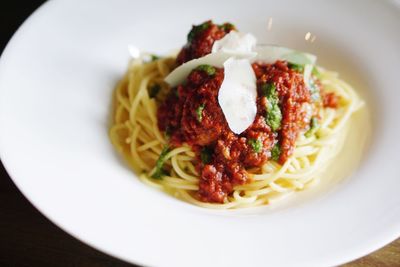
56 78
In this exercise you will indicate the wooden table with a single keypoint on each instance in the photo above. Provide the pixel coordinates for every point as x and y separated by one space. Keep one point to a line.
27 238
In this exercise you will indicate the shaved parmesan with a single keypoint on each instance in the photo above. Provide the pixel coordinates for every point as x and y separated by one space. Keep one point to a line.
238 93
232 47
307 74
235 42
178 75
271 53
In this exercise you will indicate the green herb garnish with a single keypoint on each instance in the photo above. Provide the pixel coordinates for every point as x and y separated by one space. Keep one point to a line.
226 27
276 152
274 118
154 90
210 70
267 89
167 133
274 115
315 72
176 92
296 67
197 29
160 171
199 112
314 125
255 144
154 57
205 155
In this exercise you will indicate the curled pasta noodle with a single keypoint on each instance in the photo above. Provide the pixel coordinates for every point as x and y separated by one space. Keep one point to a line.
135 134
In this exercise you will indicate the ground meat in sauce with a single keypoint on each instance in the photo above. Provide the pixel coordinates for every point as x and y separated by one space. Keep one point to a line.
179 113
231 153
191 114
330 100
201 39
292 95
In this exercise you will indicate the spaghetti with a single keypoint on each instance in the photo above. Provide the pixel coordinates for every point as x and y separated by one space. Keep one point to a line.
136 135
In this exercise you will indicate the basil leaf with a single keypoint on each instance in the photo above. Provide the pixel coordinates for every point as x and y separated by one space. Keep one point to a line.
205 155
255 144
199 112
197 29
296 67
314 126
154 57
276 152
273 115
160 171
226 27
210 70
154 90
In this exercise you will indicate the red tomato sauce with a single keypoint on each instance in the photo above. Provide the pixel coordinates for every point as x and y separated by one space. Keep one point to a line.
330 100
201 39
292 94
191 114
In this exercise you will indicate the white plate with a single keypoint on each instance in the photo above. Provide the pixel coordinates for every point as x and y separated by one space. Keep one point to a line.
56 79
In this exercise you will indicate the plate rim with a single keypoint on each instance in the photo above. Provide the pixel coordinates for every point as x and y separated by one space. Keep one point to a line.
384 240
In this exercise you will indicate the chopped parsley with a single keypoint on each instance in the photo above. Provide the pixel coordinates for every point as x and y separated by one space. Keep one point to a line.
314 125
160 171
210 70
255 144
315 72
154 57
227 27
167 133
274 115
276 152
154 89
205 155
199 112
176 92
296 67
197 29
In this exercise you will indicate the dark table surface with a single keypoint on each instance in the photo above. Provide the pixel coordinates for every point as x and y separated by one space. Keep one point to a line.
27 238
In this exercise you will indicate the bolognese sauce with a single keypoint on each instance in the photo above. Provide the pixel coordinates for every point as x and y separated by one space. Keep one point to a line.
191 114
201 39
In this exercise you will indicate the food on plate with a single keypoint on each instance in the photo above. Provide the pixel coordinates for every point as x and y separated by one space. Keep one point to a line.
229 123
